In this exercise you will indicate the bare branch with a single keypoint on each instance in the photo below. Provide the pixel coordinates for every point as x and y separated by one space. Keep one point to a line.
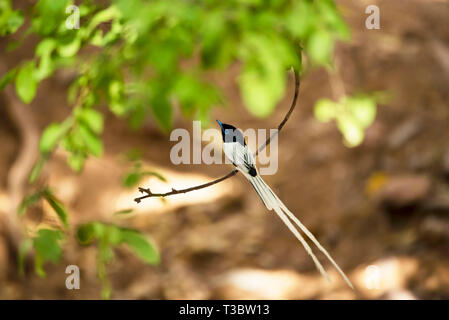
18 173
149 194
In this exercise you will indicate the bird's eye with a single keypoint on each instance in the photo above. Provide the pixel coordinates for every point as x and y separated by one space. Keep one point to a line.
227 131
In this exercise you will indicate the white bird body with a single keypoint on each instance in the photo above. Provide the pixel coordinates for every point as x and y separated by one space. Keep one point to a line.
242 158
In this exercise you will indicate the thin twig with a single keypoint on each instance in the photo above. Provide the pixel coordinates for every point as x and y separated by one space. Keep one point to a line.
150 194
335 80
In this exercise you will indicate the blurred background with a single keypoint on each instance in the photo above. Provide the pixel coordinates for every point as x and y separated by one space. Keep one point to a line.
380 205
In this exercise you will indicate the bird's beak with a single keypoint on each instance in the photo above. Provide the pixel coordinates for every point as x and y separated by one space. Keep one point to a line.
221 124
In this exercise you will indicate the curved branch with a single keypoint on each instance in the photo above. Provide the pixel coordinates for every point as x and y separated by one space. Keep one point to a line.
149 194
18 173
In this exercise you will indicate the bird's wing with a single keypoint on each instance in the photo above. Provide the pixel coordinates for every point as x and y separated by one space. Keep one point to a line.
239 155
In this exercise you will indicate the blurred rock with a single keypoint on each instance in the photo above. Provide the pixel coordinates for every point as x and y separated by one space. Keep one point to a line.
145 286
404 190
435 228
439 201
437 282
319 154
441 54
181 282
267 284
339 295
399 295
404 132
384 276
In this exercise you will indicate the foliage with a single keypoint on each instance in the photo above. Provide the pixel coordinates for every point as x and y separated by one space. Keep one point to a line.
133 177
353 115
10 20
47 247
139 56
110 236
137 48
46 194
47 242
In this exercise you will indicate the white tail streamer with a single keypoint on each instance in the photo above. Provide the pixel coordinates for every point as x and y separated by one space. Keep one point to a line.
271 201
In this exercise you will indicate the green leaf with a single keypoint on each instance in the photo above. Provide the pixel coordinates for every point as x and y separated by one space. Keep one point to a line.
132 179
57 206
162 111
50 137
140 245
352 132
44 50
116 93
7 78
109 235
320 46
263 79
45 68
76 161
37 168
93 119
47 247
68 50
26 83
91 141
48 15
113 235
363 109
325 110
301 19
45 47
261 92
333 19
29 201
24 247
39 266
154 174
10 20
115 90
123 212
103 16
85 233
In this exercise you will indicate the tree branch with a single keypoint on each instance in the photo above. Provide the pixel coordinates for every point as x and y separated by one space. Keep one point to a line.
149 194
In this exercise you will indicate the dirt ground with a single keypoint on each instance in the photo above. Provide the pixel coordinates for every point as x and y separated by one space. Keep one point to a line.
381 209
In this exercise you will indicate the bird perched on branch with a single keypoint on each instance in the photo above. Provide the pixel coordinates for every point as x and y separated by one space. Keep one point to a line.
236 150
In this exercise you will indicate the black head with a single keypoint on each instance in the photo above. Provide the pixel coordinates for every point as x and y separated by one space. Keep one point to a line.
231 133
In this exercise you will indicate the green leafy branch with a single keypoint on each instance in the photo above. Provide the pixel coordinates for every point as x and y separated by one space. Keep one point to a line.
109 237
353 114
47 243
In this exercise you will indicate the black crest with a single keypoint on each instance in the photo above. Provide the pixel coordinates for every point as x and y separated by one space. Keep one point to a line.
231 133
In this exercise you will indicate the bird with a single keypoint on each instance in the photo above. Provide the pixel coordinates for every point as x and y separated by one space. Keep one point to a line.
237 151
